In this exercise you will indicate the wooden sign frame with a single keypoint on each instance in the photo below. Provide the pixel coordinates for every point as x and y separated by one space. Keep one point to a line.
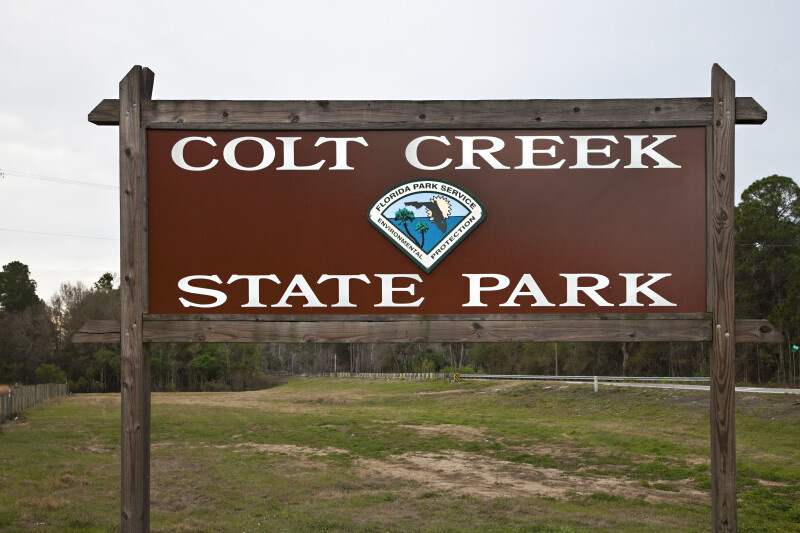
135 112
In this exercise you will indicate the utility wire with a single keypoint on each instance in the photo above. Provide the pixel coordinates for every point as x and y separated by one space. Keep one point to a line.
61 234
54 179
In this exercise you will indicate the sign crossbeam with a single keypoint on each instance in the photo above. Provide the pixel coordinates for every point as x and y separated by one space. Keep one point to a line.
543 328
399 114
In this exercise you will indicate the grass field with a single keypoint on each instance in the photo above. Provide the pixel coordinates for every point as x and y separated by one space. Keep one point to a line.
358 455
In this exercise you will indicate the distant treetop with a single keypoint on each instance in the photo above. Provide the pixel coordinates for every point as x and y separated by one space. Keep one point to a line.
105 283
17 289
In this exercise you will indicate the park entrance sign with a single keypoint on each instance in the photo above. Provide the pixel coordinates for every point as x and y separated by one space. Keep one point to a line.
447 221
468 222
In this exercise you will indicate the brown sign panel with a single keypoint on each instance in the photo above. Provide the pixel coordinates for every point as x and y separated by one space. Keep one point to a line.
312 222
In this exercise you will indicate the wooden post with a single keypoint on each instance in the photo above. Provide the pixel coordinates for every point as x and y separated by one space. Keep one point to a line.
135 356
723 451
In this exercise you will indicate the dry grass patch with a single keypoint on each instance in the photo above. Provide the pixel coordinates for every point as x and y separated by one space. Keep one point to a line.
278 449
248 399
44 503
278 399
67 480
284 449
479 476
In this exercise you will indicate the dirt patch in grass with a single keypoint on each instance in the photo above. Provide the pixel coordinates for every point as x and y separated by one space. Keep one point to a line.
476 475
285 449
766 483
453 430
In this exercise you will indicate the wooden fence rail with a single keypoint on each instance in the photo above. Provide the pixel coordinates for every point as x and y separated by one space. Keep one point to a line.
379 375
20 398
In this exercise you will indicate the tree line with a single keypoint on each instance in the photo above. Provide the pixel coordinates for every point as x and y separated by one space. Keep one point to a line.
35 336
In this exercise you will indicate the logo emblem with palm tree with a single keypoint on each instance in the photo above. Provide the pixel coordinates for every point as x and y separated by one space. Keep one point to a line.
403 214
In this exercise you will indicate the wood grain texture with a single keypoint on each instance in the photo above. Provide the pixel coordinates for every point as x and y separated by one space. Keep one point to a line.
723 449
400 114
135 356
709 219
757 331
433 331
107 331
97 332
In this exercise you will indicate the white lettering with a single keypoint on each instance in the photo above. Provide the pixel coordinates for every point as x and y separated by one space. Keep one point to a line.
229 153
180 146
299 282
253 287
475 287
288 156
469 152
527 282
413 158
632 290
583 150
185 285
528 151
341 149
344 287
388 289
573 288
637 151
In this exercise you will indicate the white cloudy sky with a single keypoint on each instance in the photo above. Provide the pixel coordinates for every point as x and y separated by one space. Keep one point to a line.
59 59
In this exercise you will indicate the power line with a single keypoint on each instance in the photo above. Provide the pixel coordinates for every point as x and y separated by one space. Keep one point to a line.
61 234
54 179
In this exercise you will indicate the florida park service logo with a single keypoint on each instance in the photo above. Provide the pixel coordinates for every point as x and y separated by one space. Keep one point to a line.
426 219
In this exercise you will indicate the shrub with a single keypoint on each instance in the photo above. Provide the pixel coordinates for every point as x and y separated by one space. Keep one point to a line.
48 373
